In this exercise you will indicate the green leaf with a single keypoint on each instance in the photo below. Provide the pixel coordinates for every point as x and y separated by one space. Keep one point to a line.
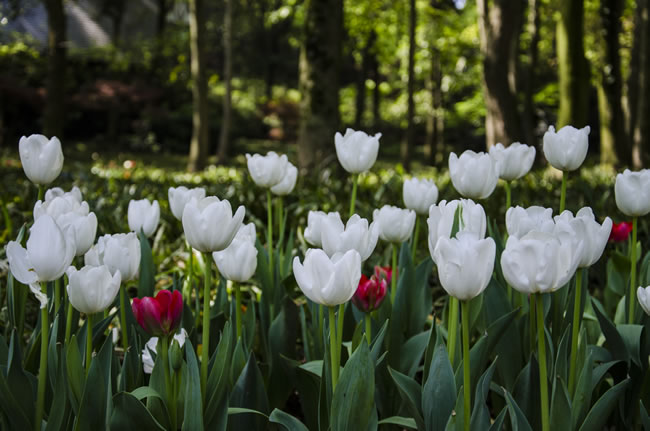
129 414
287 421
518 420
399 421
218 381
497 425
603 407
146 279
353 399
411 393
75 373
560 406
480 418
633 337
439 391
95 407
645 419
59 409
615 342
241 410
411 353
249 392
582 395
16 397
193 410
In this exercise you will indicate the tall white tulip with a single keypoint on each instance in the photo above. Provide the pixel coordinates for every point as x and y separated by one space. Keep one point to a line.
288 182
514 161
566 150
268 170
465 264
119 252
356 151
180 196
356 235
239 260
56 204
520 221
144 215
84 228
419 195
74 194
395 224
593 234
210 225
474 175
441 220
315 222
632 192
49 253
42 158
92 288
328 281
643 295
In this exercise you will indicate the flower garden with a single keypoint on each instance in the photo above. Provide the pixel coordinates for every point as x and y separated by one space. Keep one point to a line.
486 298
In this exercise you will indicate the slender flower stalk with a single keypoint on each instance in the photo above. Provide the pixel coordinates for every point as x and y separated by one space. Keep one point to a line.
89 341
334 348
125 337
452 328
41 192
633 286
508 194
353 198
169 386
68 322
541 343
414 240
393 278
269 230
565 176
237 288
57 295
205 347
339 329
279 205
466 363
42 371
575 330
531 323
368 321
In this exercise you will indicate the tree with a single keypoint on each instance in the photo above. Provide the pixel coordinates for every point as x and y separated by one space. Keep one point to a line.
408 144
56 69
639 85
319 82
529 81
199 143
222 154
499 29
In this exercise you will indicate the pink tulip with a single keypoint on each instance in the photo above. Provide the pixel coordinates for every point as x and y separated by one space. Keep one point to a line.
159 316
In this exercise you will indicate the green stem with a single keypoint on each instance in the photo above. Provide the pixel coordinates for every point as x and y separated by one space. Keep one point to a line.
205 347
631 298
393 277
531 326
321 319
269 229
42 371
353 198
41 192
238 307
68 322
414 240
452 328
339 329
164 352
575 330
508 195
565 176
125 337
368 320
466 363
57 295
333 348
280 216
89 341
541 343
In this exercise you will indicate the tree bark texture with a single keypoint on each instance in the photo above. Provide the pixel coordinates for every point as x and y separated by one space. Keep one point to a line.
199 143
56 69
224 138
436 118
319 82
360 102
529 84
408 145
499 28
639 86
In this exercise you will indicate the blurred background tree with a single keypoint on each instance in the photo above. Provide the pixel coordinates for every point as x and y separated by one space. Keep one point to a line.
212 80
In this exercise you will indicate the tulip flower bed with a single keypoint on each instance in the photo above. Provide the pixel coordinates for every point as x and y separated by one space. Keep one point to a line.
263 300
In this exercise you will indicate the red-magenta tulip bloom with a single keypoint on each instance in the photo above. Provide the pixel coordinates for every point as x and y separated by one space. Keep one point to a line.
370 293
159 316
383 273
620 231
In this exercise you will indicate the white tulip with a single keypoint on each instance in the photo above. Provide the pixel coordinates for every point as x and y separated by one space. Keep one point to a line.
119 252
239 260
143 216
209 224
57 204
180 196
520 221
152 345
356 235
315 221
514 161
42 158
465 264
419 195
566 150
92 289
474 175
288 182
395 224
328 281
84 227
356 151
632 192
441 220
49 253
74 194
268 170
593 234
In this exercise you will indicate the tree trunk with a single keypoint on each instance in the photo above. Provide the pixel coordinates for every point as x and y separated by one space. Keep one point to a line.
408 145
436 119
319 82
376 93
360 102
199 143
222 154
573 69
639 86
56 65
499 27
529 89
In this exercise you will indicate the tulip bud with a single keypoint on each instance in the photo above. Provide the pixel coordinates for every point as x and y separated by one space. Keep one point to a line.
143 216
175 355
419 195
159 315
441 220
370 293
209 224
268 170
514 161
474 175
632 192
315 223
288 182
395 224
42 159
92 289
566 149
356 235
520 221
593 235
119 252
356 151
383 273
328 281
180 196
239 260
620 231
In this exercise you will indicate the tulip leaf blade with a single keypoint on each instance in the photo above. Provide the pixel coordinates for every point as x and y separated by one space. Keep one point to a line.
600 411
497 425
518 420
146 279
217 384
614 340
411 393
353 399
93 413
287 421
130 414
439 391
193 409
582 394
560 406
15 389
645 419
399 421
59 409
480 418
249 392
